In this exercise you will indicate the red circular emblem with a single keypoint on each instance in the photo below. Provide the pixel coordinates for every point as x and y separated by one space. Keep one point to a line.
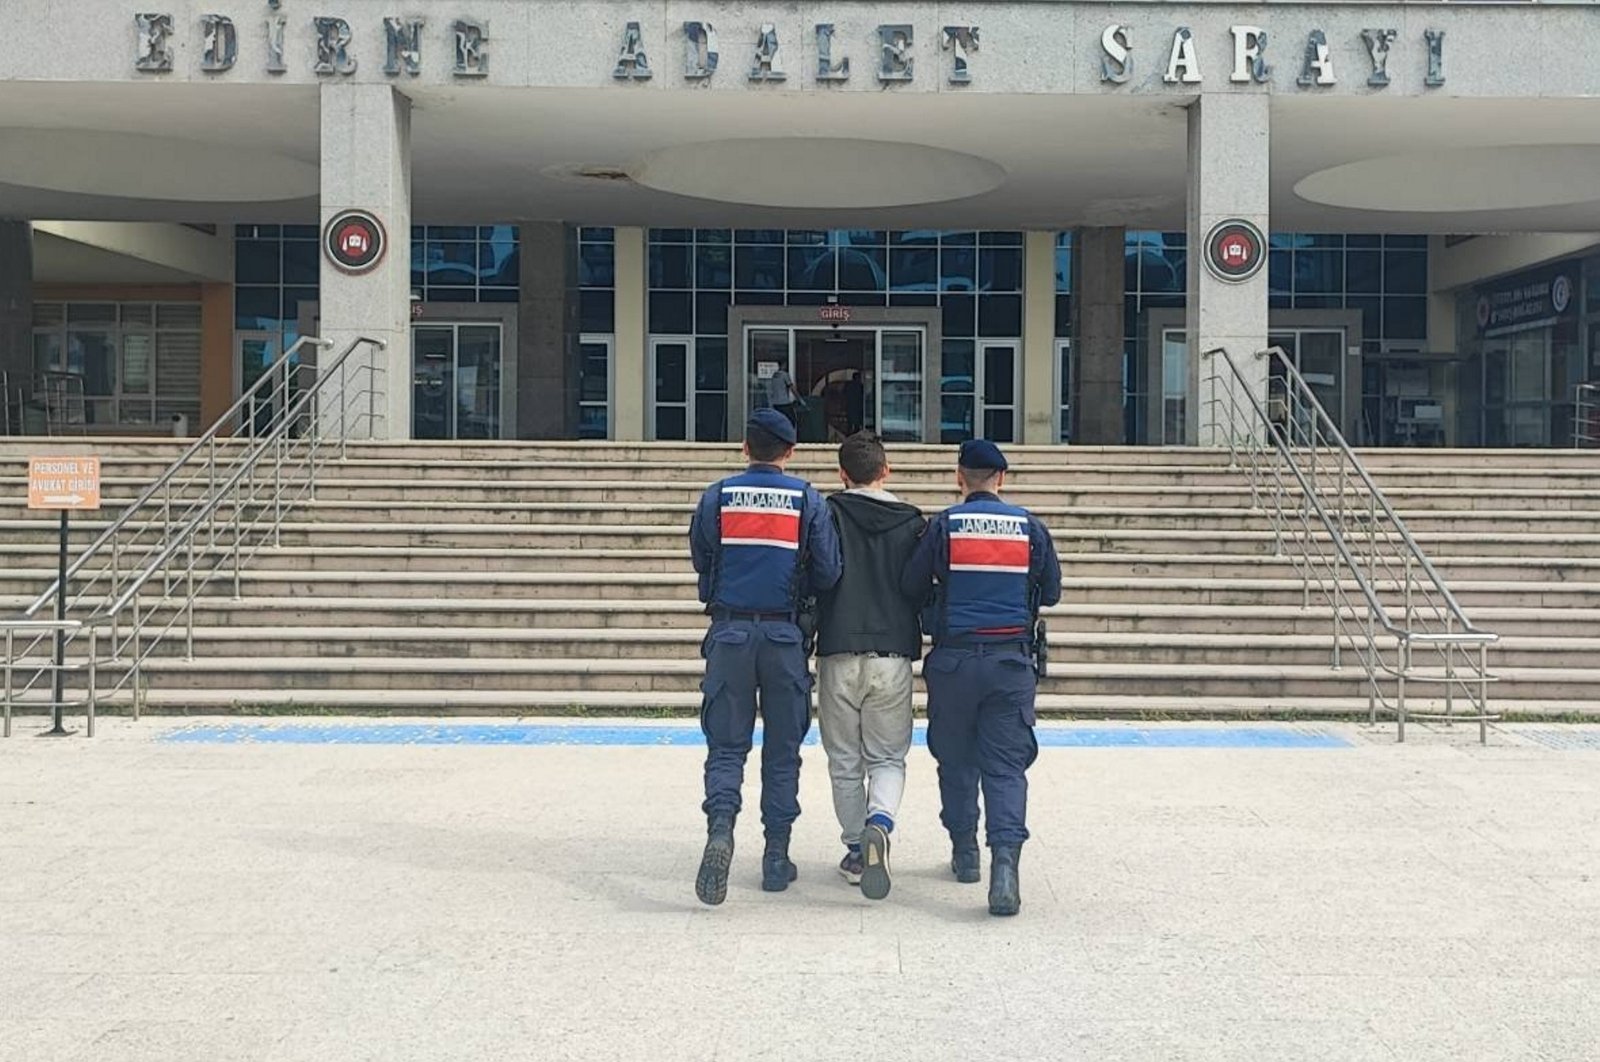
354 241
1235 250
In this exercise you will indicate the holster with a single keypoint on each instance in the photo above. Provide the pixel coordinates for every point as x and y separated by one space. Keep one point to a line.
805 617
1041 649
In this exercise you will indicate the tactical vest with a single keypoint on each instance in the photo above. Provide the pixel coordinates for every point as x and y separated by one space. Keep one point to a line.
985 592
761 521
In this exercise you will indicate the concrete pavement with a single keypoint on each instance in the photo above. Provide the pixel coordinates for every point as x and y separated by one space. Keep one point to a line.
288 902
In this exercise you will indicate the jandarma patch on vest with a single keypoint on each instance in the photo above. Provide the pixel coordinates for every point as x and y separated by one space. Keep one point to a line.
989 542
760 516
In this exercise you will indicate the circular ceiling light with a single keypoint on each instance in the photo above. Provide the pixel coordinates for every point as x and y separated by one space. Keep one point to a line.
1456 180
817 172
139 166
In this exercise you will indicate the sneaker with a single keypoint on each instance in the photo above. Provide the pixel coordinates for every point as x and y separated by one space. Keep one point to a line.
850 866
875 862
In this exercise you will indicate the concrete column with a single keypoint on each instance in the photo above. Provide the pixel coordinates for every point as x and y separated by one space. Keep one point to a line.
1038 337
1097 336
16 314
547 333
366 165
1228 170
630 383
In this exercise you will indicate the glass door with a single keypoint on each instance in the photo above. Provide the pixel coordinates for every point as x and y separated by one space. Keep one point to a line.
433 352
594 386
1174 426
254 353
477 382
671 369
1064 390
997 389
1317 354
898 384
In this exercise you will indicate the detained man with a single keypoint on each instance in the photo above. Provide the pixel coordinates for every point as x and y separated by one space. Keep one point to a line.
868 635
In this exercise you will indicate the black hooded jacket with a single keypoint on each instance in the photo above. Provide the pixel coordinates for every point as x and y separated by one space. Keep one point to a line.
865 612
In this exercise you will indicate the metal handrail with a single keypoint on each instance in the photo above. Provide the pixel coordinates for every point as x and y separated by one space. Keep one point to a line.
208 441
1309 448
1586 416
262 480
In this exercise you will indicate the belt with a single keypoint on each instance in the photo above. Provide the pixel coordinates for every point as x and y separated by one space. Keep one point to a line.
752 617
987 647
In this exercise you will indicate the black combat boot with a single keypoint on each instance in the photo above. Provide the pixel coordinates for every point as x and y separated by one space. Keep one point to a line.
966 863
711 884
776 870
1005 890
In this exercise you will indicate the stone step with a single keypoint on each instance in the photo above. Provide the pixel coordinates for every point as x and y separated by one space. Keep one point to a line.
28 537
563 703
681 586
302 679
684 644
32 560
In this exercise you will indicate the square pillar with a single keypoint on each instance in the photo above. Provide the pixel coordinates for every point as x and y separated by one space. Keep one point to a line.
16 318
1228 179
630 383
547 332
366 165
1097 336
1038 338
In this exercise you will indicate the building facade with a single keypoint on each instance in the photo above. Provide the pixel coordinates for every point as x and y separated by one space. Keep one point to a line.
1026 220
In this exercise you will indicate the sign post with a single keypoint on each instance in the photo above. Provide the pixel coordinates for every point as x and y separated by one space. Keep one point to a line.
63 484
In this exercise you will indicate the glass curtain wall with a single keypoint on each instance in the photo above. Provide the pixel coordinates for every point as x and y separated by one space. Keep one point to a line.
695 275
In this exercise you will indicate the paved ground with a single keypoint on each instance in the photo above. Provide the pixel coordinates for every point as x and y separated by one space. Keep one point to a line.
194 900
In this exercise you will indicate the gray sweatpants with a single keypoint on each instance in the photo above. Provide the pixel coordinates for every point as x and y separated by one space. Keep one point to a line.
864 709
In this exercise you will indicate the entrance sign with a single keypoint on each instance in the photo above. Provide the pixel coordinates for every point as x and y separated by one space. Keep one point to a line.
354 241
1235 250
833 312
64 483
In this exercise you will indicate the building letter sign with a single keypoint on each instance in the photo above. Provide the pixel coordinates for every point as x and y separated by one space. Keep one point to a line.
827 69
767 66
333 47
632 63
471 58
1318 66
402 42
1249 42
154 54
699 50
1119 50
1378 42
963 41
1183 58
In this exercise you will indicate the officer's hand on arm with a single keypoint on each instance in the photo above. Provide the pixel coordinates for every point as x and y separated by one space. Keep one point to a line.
916 581
822 544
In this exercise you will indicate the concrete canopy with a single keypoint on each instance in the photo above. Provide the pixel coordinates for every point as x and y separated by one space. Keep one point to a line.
482 153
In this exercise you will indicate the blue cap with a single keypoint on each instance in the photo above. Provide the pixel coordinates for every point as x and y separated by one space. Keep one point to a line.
981 454
770 420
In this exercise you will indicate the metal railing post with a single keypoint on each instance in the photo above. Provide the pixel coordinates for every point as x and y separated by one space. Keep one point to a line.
189 595
1400 688
92 692
11 642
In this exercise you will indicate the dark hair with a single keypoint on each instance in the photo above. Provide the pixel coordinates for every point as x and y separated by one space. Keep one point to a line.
862 459
763 445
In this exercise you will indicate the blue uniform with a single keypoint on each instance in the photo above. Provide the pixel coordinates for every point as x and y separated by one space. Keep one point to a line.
994 564
760 540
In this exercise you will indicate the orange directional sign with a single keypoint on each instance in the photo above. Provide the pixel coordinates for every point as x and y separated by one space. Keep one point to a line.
71 482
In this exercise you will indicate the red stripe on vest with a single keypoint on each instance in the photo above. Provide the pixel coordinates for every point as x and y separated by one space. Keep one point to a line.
777 526
989 552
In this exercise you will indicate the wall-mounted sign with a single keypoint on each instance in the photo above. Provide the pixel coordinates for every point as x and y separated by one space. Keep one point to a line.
1235 250
834 313
354 241
766 370
1538 299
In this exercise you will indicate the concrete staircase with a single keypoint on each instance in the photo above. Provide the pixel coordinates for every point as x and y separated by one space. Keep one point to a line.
539 577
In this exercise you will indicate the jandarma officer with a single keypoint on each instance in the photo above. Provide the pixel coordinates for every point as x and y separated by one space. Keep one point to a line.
993 566
762 542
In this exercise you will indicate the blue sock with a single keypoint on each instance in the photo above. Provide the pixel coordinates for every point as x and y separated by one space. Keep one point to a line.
880 819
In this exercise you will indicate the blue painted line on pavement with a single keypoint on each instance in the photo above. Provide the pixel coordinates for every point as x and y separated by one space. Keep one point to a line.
1185 737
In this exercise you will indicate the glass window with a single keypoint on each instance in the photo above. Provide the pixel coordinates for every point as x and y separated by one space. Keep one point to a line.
758 268
596 311
670 312
1000 269
256 261
669 266
958 269
863 269
913 269
999 316
1405 272
713 266
811 268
